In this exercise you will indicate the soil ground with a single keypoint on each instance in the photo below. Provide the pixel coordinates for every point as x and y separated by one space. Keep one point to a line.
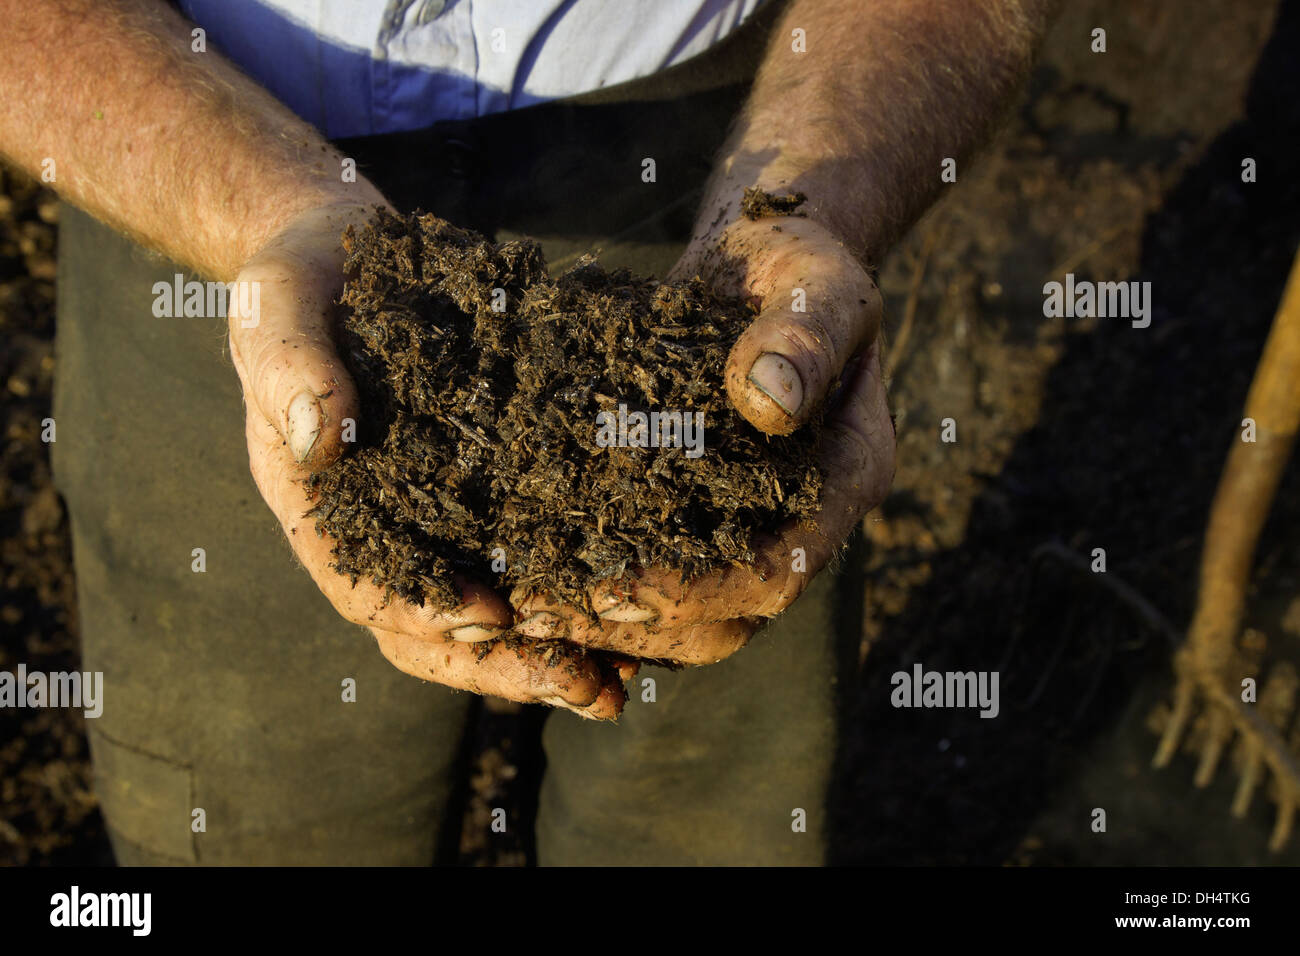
1072 435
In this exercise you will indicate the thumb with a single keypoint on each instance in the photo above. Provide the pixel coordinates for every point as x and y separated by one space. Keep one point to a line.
282 345
818 308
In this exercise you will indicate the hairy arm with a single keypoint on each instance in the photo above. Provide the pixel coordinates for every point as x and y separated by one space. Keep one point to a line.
177 149
861 121
186 155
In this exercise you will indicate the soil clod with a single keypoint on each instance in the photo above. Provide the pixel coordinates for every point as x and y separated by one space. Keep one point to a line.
757 204
501 435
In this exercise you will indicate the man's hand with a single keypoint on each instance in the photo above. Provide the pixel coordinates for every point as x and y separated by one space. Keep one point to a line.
115 96
297 396
778 374
268 207
859 117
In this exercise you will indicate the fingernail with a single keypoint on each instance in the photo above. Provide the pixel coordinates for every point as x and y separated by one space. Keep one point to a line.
304 425
629 612
626 666
777 378
607 599
474 633
540 625
562 703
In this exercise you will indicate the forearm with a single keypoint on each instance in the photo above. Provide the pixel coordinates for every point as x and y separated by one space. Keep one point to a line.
175 148
861 121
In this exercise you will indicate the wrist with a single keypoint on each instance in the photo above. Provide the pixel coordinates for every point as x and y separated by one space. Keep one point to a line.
838 204
306 213
309 233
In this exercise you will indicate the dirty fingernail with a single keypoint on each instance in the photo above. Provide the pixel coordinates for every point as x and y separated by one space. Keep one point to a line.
558 701
541 625
304 425
474 633
629 612
607 599
777 378
627 667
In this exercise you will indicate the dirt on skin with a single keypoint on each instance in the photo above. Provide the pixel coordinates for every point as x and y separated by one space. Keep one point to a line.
511 425
756 204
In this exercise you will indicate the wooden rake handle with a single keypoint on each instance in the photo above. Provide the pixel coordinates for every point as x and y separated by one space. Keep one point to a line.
1248 484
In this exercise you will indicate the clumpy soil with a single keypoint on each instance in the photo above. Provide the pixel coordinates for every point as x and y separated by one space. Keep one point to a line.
48 812
482 379
756 204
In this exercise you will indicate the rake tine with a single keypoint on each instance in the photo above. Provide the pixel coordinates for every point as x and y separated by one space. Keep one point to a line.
1251 771
1249 752
1276 702
1282 828
1219 733
1184 698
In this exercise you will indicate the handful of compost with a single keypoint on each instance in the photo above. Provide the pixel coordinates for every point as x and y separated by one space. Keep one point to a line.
541 433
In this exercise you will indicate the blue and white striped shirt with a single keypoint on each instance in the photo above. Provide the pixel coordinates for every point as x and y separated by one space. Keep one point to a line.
360 67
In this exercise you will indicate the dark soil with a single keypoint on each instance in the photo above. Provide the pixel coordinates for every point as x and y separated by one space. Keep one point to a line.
1075 435
483 383
756 204
48 812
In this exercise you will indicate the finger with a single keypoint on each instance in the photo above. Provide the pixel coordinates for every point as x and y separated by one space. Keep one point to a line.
705 643
857 461
557 674
818 309
857 453
283 346
627 667
482 615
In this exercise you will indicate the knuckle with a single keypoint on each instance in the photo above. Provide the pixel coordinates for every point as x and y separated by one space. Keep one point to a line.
352 612
814 345
785 590
711 643
853 451
266 367
424 619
